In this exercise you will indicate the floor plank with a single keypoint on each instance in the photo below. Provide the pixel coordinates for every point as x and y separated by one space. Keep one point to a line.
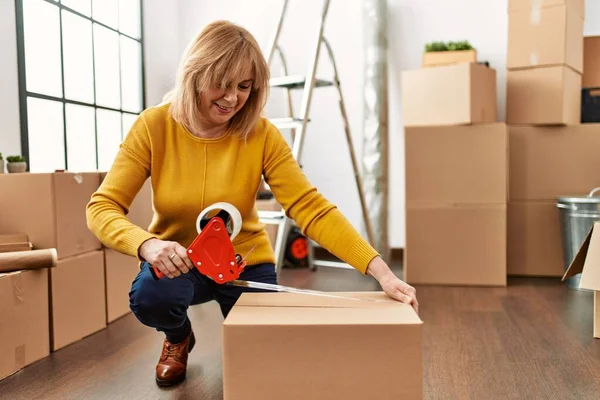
531 340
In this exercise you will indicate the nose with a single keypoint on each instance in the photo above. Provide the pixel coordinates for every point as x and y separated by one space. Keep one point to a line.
230 95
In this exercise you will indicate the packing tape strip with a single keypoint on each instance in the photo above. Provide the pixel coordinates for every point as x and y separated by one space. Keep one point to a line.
534 58
234 215
536 12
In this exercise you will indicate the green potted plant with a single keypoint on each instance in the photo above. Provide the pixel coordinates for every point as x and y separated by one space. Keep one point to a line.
16 164
447 53
1 164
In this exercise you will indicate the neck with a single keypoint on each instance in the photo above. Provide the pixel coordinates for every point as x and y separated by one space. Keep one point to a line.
209 130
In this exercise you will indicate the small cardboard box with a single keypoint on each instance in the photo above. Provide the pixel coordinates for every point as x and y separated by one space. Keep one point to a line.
457 164
547 162
120 270
587 262
591 62
297 347
534 239
535 6
543 96
460 245
50 209
439 58
24 319
449 95
554 36
78 298
269 205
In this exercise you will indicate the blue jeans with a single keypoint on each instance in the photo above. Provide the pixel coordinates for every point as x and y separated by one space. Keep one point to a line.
162 304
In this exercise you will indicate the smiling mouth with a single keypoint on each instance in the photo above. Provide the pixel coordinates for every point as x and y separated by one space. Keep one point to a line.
223 108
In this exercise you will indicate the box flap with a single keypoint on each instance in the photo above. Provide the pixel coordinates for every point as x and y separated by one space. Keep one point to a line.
534 6
587 261
302 309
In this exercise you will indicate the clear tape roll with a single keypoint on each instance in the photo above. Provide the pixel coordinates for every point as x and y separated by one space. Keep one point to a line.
233 213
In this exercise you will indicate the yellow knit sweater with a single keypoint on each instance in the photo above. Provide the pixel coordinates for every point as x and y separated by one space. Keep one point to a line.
189 173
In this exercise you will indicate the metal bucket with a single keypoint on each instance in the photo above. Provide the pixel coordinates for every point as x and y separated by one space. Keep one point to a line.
577 217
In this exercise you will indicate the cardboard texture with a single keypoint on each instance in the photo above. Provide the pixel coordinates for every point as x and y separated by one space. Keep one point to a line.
458 164
24 320
50 209
554 36
591 62
449 95
534 239
587 262
439 58
14 242
543 96
327 343
78 298
547 162
534 7
120 270
456 245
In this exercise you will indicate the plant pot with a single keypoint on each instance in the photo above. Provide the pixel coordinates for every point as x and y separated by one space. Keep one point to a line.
1 166
16 167
440 58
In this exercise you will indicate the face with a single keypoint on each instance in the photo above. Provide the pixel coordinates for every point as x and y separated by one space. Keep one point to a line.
219 105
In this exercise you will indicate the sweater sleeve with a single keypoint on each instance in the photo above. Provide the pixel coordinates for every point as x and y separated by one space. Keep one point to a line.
318 218
107 209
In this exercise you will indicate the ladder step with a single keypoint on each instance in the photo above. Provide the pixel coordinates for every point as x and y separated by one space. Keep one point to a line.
331 264
271 217
287 123
296 82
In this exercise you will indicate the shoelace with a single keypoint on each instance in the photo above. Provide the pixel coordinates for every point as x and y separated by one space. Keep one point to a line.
173 350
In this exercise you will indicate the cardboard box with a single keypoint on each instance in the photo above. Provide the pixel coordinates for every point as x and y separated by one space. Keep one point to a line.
543 96
120 270
591 62
458 164
456 245
141 211
50 209
24 319
547 162
554 36
439 58
534 239
326 343
449 95
78 298
587 263
535 6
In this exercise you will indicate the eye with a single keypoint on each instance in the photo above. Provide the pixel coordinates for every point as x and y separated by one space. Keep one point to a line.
245 86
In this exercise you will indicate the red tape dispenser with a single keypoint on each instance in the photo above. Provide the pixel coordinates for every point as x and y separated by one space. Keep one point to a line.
212 251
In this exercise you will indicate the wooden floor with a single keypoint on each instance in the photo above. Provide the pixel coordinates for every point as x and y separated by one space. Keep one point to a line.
531 340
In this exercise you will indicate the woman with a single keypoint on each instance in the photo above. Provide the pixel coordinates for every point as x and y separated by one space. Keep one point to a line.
207 143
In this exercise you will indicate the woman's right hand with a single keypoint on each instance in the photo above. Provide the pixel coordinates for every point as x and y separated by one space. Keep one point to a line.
169 257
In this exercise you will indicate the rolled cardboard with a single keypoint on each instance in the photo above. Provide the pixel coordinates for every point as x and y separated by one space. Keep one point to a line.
32 259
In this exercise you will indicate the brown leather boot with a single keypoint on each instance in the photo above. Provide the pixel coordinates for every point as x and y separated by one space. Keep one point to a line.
172 366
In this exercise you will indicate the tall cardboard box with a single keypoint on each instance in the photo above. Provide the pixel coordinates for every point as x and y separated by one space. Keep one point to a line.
543 96
587 262
456 195
449 95
24 319
534 7
313 347
546 163
77 298
50 209
269 205
591 62
120 270
549 36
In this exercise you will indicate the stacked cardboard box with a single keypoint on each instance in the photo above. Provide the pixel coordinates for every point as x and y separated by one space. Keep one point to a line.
545 62
50 209
456 177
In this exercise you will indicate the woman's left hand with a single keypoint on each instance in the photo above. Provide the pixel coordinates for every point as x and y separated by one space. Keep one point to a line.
391 284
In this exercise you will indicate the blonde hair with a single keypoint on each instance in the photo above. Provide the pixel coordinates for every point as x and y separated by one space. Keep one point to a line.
220 53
